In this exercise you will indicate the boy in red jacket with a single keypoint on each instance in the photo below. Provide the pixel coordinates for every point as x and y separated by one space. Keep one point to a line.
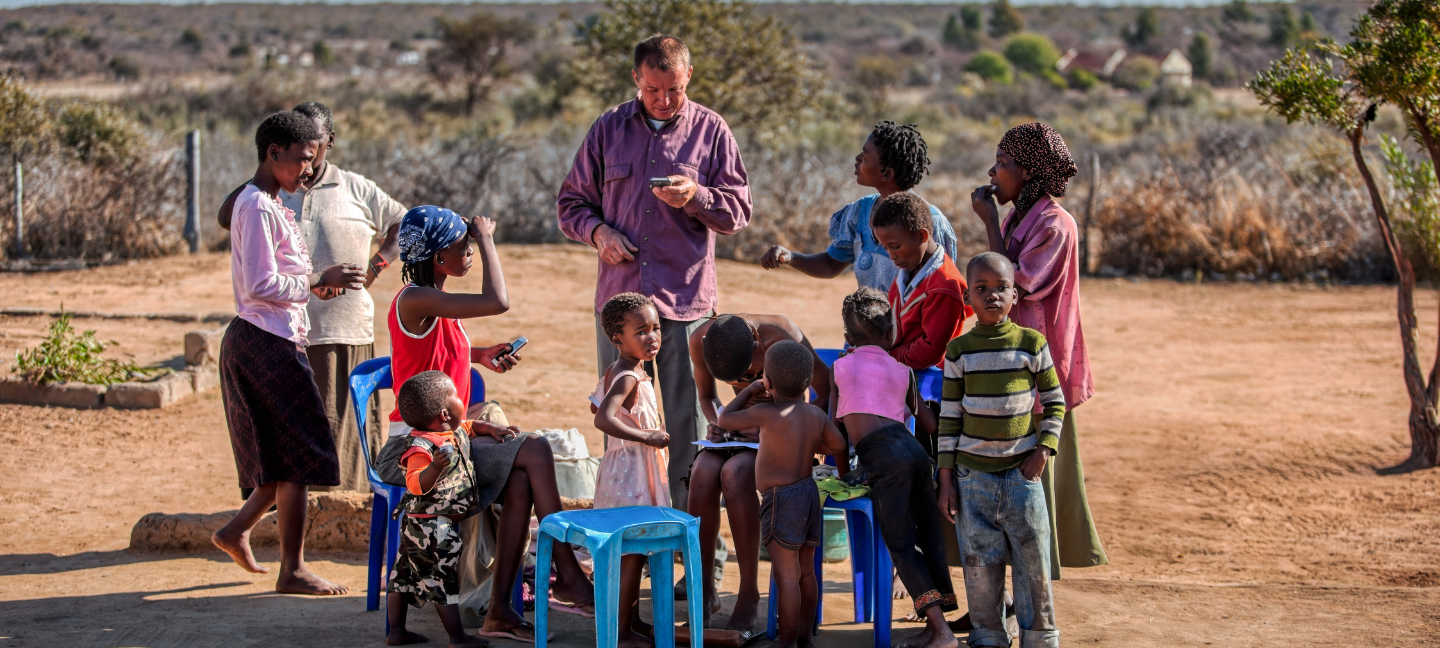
926 298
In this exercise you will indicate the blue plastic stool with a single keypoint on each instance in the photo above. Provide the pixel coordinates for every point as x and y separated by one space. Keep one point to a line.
608 534
366 379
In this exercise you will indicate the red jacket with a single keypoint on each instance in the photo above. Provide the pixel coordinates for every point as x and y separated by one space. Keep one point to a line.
934 315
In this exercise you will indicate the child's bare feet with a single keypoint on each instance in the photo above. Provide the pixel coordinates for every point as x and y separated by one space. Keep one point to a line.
746 608
304 581
238 546
402 637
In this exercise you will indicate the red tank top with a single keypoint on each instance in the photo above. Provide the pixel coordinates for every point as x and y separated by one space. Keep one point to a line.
443 347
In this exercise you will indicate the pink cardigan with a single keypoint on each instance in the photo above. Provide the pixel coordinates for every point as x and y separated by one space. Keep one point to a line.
1045 249
268 266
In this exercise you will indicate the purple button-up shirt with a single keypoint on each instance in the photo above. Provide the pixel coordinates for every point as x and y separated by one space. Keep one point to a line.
610 183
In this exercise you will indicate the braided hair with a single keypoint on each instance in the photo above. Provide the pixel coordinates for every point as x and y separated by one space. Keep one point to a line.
903 151
420 274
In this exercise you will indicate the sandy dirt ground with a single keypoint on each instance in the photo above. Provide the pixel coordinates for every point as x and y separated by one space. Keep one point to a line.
1231 453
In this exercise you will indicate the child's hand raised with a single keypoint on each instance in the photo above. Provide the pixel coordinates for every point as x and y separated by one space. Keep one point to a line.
659 439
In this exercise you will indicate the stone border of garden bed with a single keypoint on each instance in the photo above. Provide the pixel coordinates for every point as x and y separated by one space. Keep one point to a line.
201 374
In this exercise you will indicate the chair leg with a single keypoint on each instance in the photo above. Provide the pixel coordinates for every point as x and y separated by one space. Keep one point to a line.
607 596
542 590
695 563
884 576
820 585
662 598
772 614
517 595
377 553
862 556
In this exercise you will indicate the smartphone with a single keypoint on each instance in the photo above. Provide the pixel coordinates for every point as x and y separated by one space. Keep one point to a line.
661 182
515 347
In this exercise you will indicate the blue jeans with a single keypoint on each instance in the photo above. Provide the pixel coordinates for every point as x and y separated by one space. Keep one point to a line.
1003 519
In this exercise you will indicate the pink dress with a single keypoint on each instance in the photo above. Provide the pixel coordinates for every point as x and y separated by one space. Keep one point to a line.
632 473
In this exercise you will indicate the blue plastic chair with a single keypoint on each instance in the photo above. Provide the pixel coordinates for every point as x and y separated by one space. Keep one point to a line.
609 533
366 379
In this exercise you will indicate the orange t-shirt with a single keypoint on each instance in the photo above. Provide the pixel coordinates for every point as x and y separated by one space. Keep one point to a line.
417 459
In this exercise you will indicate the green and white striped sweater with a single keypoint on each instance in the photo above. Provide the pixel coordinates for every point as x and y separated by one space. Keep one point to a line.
994 375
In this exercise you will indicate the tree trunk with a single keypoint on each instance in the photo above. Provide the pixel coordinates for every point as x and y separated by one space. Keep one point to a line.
1424 420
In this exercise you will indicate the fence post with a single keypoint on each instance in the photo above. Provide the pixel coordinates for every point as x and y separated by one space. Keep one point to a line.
1089 213
192 203
19 209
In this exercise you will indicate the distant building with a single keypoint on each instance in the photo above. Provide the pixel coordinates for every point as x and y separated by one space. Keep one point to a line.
1099 62
1175 69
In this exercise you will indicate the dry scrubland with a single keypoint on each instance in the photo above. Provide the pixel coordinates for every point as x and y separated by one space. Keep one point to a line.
1231 454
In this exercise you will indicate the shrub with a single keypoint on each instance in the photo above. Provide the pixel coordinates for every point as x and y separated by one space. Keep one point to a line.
1005 19
991 67
1082 79
65 356
1054 78
191 39
125 69
1032 53
96 133
1200 55
1416 198
1136 73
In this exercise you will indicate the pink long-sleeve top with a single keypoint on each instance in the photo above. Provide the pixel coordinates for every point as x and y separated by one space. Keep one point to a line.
1045 249
269 264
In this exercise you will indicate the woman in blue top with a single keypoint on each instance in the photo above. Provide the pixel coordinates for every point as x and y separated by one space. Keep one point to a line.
893 160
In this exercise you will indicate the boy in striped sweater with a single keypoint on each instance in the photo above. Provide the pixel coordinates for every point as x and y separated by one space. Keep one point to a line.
993 449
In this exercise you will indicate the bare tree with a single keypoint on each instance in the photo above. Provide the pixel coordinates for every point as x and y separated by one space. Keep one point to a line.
472 52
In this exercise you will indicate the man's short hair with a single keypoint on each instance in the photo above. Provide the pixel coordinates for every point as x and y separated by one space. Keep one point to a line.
422 397
284 129
789 366
994 261
662 52
904 209
866 313
317 110
903 151
728 347
612 314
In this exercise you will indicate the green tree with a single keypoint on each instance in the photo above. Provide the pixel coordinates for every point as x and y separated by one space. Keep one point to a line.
24 122
1136 74
324 55
962 32
992 67
1200 55
1146 29
1417 203
1005 19
472 52
1393 57
749 65
1283 28
1308 24
1238 11
1032 53
1083 79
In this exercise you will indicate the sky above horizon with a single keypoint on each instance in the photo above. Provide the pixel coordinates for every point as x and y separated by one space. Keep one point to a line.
14 4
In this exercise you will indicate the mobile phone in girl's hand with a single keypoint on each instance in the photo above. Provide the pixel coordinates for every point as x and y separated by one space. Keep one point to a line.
515 347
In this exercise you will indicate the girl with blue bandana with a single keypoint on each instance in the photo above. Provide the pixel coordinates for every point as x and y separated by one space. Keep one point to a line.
511 467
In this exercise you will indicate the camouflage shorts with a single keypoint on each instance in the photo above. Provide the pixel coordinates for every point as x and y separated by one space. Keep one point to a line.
426 567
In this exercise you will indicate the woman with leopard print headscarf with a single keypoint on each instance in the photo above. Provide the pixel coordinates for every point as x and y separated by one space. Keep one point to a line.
1032 168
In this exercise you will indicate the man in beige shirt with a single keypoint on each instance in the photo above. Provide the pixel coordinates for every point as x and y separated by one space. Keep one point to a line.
340 214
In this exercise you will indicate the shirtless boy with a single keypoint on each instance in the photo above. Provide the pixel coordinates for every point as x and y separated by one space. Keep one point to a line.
792 431
731 349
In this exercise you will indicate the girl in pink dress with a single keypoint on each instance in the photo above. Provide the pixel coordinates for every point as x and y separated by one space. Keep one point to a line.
633 472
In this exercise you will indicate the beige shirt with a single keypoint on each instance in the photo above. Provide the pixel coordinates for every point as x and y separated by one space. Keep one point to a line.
339 219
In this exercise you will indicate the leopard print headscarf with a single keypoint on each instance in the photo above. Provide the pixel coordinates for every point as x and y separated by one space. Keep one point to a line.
1042 152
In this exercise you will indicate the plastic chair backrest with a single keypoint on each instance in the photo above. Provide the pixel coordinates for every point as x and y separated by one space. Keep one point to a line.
373 375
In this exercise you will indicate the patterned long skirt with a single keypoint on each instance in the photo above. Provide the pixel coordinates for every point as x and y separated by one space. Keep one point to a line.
278 427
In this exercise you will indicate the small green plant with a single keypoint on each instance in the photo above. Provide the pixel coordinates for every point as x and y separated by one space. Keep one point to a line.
67 356
991 67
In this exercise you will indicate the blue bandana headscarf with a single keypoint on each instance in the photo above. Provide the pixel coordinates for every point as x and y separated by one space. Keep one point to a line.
426 230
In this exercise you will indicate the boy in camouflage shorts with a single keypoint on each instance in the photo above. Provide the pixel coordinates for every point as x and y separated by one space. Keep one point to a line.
439 485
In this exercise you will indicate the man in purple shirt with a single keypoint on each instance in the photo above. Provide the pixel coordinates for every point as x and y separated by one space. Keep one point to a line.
659 241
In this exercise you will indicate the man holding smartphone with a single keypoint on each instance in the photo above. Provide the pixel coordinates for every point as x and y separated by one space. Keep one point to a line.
655 180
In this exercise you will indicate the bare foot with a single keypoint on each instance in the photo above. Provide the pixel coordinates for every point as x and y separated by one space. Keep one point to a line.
399 637
743 616
962 624
469 641
500 618
304 581
634 640
939 640
712 605
581 595
238 546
